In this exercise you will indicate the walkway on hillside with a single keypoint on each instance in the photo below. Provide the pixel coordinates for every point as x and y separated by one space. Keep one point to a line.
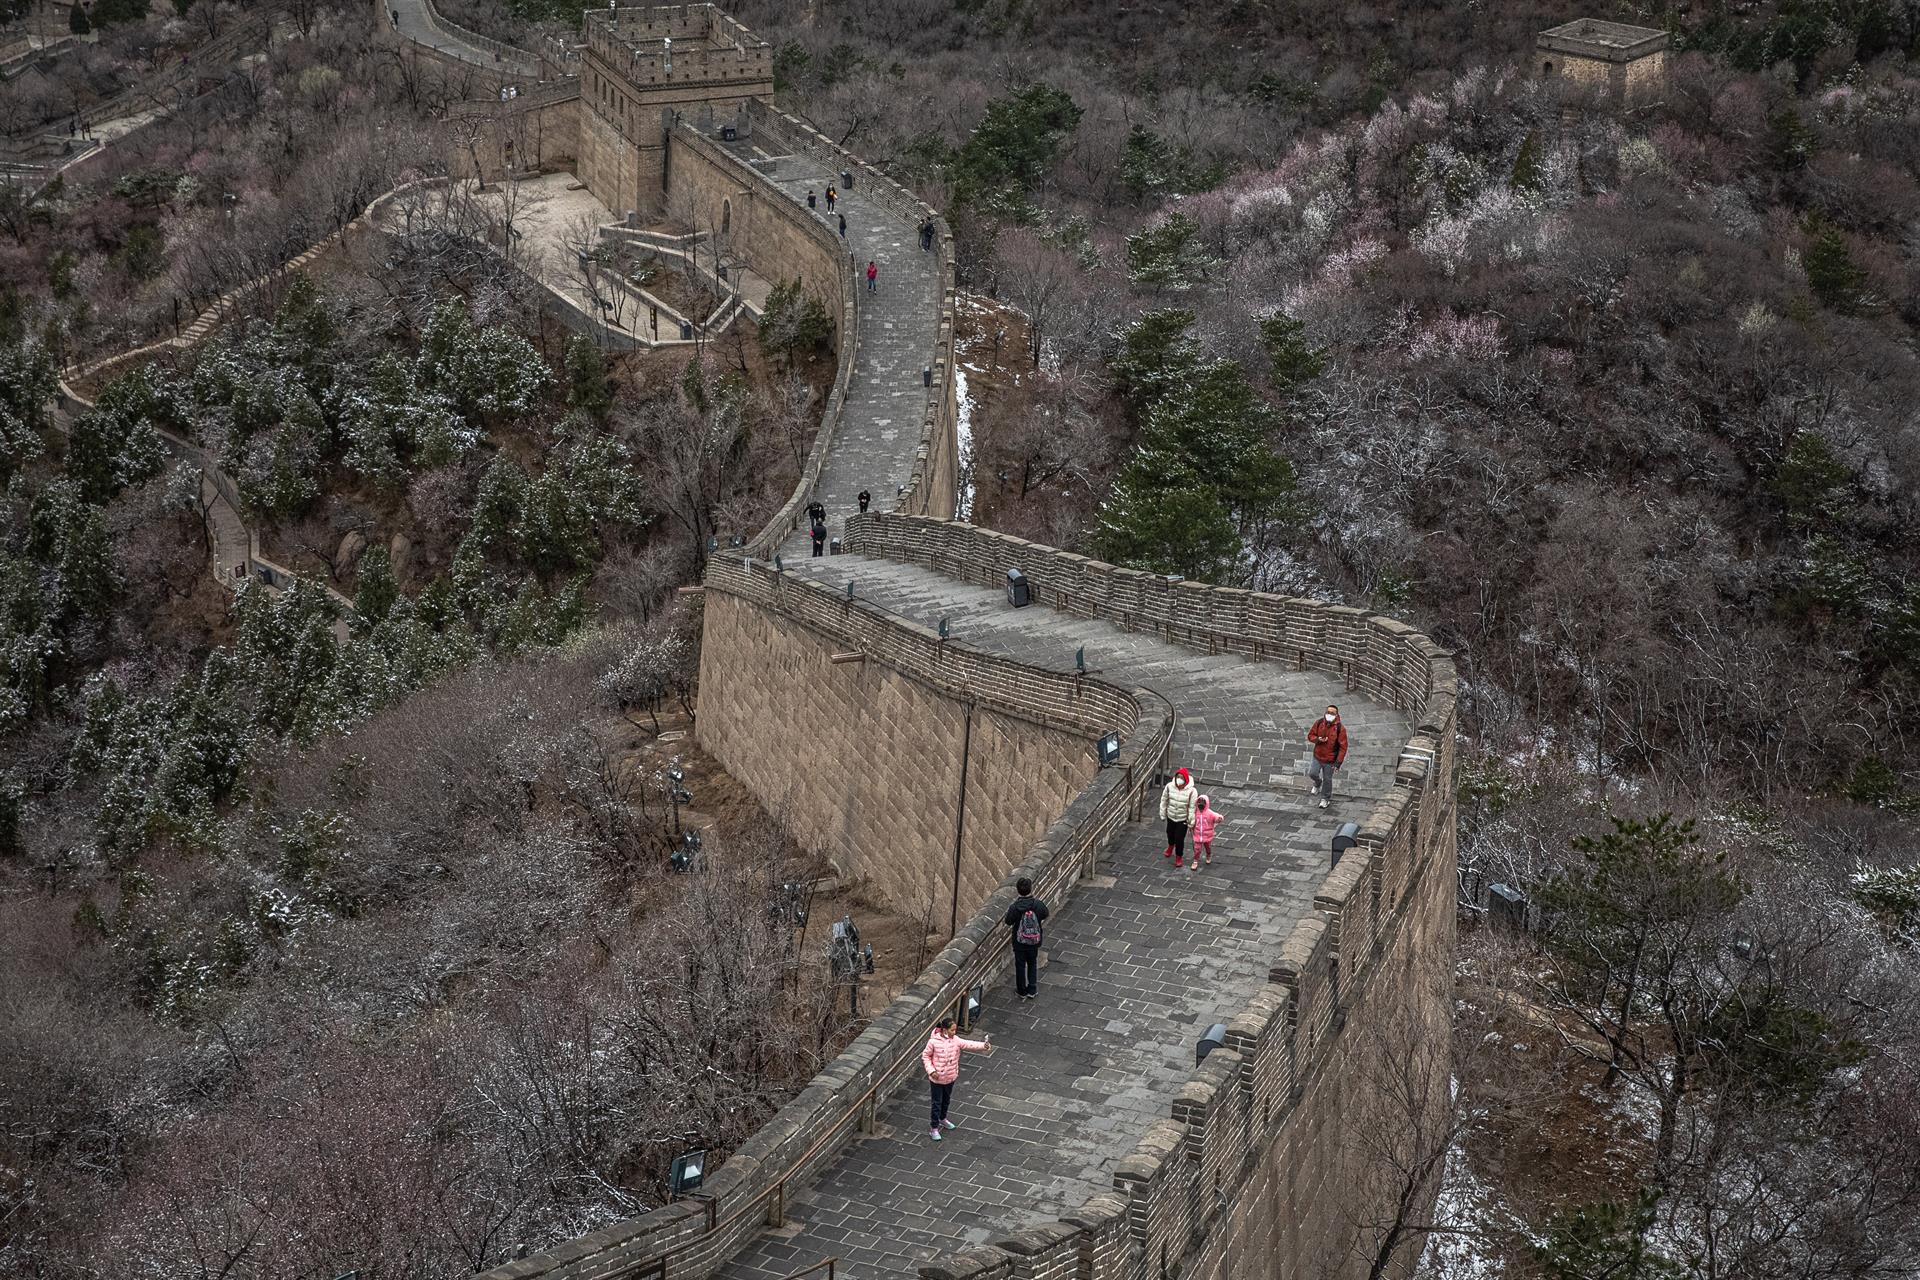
1138 965
899 326
415 20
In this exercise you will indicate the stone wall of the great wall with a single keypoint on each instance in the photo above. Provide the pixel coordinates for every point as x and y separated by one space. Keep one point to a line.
689 1241
1274 1157
538 130
1269 1162
864 763
709 188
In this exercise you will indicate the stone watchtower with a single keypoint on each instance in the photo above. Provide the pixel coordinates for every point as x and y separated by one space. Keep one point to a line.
1626 64
642 63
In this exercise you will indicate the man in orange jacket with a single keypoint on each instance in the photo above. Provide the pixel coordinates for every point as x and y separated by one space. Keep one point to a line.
1329 739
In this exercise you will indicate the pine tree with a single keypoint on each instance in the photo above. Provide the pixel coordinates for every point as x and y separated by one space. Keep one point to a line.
1528 174
589 389
1205 482
27 386
376 590
1293 361
485 372
1169 254
1831 271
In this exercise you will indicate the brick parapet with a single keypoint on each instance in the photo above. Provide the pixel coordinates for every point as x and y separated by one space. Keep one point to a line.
630 44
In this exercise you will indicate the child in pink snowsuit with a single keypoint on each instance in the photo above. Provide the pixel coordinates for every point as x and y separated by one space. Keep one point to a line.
1205 818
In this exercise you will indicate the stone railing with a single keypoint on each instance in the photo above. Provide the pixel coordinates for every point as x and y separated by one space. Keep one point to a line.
1187 1169
34 161
691 1241
777 131
547 93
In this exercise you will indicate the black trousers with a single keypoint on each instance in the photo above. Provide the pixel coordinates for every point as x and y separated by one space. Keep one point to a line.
942 1095
1177 837
1026 969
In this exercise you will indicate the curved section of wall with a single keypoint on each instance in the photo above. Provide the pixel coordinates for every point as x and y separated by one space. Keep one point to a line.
1253 1173
933 485
749 1192
780 242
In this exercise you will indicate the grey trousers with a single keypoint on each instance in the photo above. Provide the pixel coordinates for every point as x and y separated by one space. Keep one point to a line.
1322 775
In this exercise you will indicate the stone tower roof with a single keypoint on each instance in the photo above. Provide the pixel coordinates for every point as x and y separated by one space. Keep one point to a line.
1603 41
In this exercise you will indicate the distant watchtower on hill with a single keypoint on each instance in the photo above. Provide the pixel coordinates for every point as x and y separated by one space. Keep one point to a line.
1627 64
640 63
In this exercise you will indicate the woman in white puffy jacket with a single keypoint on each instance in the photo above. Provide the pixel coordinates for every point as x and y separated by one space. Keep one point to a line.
1176 806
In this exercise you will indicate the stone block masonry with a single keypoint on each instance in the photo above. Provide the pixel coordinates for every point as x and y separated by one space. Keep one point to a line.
1261 1170
864 763
1625 64
642 67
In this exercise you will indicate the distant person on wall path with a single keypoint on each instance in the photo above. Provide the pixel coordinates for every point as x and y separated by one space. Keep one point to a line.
1026 917
1329 738
817 524
926 236
941 1058
810 200
1205 819
1176 806
843 219
873 275
832 195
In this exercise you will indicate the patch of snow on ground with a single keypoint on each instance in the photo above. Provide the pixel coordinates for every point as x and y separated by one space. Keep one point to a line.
1465 1202
1468 1218
963 498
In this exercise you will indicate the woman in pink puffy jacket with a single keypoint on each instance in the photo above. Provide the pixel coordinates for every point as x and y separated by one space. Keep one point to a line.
941 1058
1205 818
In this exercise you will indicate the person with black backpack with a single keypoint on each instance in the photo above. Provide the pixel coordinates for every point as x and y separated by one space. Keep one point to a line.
1025 917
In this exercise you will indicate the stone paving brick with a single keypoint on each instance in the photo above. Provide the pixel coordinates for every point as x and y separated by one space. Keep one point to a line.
1141 962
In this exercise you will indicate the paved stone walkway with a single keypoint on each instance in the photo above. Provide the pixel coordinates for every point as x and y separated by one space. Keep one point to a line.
412 20
1142 961
899 324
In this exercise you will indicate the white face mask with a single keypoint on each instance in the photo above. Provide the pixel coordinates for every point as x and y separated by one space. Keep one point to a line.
1330 717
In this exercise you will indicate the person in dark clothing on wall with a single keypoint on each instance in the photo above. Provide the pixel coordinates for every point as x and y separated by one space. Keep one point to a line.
817 523
1025 917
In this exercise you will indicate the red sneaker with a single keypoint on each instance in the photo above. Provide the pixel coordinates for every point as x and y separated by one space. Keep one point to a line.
1168 853
1177 862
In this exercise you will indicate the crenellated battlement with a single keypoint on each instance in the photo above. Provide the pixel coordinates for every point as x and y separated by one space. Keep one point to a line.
676 45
